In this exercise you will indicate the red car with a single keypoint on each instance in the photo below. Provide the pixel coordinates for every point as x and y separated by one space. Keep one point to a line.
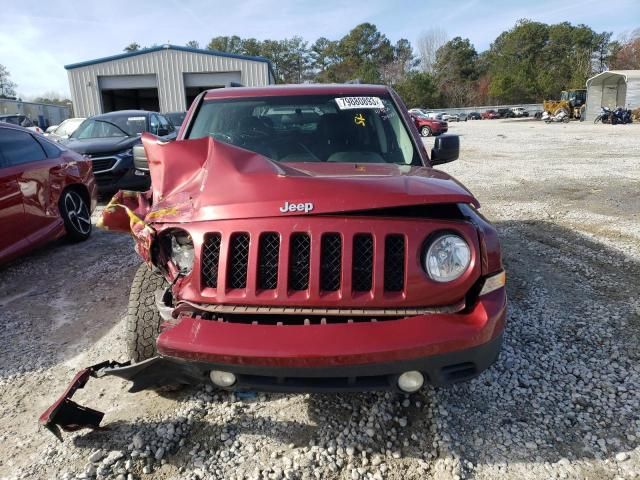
46 192
489 115
297 238
429 126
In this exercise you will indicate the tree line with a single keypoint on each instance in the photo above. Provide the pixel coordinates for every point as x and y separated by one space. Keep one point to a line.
530 62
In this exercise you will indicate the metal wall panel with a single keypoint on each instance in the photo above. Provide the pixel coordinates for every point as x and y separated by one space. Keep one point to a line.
170 66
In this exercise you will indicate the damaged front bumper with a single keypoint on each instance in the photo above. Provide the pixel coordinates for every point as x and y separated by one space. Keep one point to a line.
446 348
66 414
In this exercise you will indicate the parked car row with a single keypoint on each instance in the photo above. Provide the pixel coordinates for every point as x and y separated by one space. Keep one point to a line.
429 126
513 112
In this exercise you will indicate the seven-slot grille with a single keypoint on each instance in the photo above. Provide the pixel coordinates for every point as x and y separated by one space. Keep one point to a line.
331 271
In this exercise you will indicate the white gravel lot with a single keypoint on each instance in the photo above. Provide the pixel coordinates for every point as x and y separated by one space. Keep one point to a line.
561 402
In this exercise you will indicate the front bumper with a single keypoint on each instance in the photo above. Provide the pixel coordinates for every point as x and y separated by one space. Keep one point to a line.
435 344
445 348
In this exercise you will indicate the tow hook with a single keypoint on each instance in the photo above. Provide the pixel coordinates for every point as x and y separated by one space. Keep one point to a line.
66 414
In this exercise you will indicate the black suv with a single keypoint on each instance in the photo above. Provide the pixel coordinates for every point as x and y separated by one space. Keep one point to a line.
109 139
505 113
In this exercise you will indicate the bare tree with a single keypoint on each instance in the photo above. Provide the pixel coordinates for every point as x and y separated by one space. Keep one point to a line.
7 87
428 44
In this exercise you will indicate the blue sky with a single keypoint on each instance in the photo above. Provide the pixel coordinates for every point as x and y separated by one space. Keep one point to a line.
38 38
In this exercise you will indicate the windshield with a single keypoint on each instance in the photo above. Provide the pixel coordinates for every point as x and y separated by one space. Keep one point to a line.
112 126
314 128
68 126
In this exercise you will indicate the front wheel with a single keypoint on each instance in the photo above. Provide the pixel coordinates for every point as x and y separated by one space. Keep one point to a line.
425 131
143 318
76 216
598 119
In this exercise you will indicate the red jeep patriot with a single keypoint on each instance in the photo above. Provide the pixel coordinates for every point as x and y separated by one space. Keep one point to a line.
297 238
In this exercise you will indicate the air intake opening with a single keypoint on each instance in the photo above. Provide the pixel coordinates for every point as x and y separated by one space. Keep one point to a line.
238 260
210 260
394 255
331 262
269 253
299 261
362 267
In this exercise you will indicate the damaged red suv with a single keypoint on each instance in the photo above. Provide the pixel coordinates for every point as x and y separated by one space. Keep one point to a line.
297 238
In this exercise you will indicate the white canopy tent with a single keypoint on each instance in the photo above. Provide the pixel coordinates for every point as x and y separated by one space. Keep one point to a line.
615 88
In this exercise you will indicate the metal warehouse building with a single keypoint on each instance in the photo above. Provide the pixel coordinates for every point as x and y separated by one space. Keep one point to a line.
615 88
165 78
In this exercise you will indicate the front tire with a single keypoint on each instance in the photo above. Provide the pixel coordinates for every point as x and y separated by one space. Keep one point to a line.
143 319
425 131
76 216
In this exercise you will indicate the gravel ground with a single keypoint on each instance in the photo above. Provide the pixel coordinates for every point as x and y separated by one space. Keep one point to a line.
561 402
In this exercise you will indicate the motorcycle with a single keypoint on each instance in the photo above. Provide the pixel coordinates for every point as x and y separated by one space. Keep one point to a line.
561 116
621 115
605 116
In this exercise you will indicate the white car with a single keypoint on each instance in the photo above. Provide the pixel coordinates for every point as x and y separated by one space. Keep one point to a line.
419 111
65 129
450 117
519 112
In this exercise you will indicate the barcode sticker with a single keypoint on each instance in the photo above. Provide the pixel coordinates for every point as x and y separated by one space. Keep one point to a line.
349 103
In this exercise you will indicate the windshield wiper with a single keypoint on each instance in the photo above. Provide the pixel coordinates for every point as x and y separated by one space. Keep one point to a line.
111 123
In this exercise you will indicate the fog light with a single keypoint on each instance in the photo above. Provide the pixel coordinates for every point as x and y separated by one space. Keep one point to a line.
410 381
222 379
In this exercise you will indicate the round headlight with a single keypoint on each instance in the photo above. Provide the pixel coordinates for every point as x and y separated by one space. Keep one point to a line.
447 258
182 253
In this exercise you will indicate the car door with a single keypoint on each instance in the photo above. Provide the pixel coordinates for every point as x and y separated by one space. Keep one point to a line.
13 237
23 152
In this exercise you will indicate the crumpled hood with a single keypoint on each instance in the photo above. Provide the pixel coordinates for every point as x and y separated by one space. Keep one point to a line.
96 146
204 179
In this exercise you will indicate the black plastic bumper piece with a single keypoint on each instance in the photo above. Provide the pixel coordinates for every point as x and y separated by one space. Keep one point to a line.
439 370
64 414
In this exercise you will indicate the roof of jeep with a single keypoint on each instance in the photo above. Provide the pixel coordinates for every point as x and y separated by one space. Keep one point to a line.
300 89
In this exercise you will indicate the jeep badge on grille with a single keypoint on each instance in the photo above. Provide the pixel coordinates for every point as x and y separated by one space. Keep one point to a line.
296 207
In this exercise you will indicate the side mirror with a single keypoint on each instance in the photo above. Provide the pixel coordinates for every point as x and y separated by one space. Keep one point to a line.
445 149
163 131
52 128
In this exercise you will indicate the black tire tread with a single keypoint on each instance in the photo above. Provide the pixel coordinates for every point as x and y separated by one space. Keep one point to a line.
143 319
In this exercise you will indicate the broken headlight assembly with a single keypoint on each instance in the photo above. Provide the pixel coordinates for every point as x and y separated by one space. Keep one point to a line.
177 246
447 257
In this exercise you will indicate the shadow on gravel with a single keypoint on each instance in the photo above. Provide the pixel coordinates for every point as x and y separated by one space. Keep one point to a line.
327 421
59 299
566 384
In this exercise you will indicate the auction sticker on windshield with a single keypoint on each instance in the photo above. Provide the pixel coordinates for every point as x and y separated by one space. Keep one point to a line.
347 103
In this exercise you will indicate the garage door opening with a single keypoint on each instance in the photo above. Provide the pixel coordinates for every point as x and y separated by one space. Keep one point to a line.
196 83
130 99
193 92
129 92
